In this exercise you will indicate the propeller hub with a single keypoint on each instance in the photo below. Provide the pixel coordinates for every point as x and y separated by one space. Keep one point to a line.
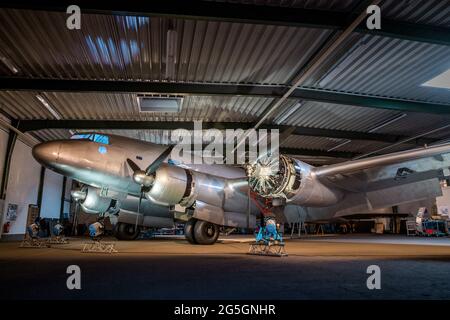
78 195
141 178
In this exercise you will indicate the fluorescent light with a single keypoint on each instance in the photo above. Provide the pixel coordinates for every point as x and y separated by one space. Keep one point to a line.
160 104
48 107
384 124
171 48
7 62
339 145
441 81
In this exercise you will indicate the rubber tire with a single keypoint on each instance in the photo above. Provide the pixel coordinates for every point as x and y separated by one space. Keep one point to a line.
206 233
122 232
189 231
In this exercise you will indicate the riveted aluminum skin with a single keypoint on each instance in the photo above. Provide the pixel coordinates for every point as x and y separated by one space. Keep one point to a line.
81 160
312 192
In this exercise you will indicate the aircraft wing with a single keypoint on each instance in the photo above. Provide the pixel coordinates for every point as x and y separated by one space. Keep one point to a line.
389 170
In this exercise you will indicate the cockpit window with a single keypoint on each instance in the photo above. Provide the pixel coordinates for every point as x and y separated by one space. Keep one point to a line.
81 137
95 137
100 138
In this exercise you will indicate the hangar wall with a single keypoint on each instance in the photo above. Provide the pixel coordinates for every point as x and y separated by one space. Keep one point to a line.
413 207
51 195
3 143
23 185
443 202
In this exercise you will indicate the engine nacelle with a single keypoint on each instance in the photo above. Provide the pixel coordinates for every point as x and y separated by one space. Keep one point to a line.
293 181
91 201
171 185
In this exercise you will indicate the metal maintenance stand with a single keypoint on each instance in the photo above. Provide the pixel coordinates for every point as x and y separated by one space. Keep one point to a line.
268 249
57 240
33 243
96 231
298 224
268 242
98 246
31 238
58 235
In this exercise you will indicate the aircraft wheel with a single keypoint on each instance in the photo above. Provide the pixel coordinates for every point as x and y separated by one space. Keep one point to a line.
189 231
206 232
126 231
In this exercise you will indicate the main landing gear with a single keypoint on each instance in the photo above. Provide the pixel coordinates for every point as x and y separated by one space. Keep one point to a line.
201 232
126 231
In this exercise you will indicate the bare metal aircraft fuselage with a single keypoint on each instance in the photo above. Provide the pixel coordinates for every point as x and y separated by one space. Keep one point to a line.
103 168
208 196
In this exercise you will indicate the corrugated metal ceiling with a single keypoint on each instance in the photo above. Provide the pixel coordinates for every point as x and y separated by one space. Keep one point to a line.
334 5
122 47
97 106
339 117
432 12
390 68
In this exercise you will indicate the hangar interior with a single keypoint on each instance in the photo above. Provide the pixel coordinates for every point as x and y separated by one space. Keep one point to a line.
377 92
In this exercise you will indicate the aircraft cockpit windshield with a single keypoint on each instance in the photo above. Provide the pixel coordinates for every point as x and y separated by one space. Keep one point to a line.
95 137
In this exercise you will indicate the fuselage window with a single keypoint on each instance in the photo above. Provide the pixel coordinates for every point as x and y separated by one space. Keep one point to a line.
82 136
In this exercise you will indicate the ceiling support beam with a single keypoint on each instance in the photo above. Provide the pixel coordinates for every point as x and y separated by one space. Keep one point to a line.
222 89
241 13
32 125
318 153
303 152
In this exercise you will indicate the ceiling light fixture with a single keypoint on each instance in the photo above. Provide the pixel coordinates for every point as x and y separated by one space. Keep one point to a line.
48 106
388 122
160 104
339 145
9 64
171 54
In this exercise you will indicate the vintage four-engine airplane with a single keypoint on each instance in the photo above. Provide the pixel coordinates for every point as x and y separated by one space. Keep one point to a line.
136 184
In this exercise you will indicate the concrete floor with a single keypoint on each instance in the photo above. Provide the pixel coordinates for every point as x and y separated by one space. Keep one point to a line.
316 268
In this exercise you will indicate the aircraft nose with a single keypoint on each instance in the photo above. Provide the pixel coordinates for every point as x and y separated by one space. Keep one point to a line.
47 152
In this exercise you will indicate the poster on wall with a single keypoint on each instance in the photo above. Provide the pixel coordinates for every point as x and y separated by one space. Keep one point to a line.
444 211
11 213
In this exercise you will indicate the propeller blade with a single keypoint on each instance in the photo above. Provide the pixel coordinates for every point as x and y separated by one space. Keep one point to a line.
140 201
155 164
133 165
138 211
